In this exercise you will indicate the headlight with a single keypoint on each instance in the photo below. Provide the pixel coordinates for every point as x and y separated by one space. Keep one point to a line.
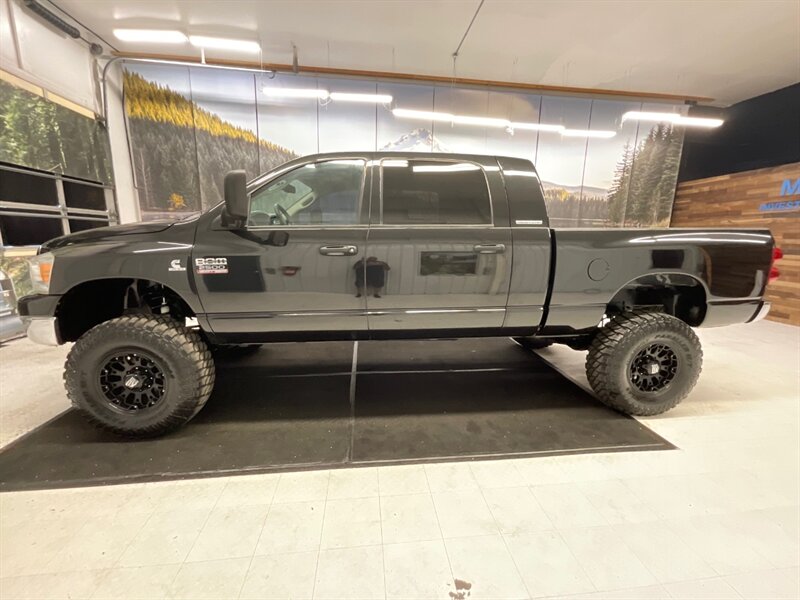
41 267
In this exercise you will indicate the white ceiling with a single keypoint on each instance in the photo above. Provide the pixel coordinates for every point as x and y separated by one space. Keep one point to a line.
728 50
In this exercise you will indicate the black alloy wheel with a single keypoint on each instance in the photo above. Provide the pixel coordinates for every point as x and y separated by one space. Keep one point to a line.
132 381
654 367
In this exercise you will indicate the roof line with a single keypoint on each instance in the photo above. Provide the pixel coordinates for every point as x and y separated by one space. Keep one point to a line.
388 75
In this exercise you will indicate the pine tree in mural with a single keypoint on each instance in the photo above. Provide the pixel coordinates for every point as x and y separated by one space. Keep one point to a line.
618 194
665 190
644 179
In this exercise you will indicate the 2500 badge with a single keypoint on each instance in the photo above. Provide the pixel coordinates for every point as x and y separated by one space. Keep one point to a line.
211 266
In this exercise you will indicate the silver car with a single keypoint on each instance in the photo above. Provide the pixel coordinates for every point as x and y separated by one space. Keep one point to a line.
11 325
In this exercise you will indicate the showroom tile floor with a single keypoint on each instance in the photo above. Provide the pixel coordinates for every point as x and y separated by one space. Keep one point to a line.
717 518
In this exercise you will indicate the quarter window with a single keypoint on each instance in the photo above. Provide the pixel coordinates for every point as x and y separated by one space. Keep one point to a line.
323 193
434 192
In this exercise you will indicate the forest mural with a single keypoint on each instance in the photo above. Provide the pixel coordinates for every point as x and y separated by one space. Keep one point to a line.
37 133
189 126
181 152
645 179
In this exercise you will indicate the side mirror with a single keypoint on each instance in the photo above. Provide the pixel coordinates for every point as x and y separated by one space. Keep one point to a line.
237 205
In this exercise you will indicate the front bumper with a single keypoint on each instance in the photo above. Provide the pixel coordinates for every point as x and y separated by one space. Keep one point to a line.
42 330
38 305
38 314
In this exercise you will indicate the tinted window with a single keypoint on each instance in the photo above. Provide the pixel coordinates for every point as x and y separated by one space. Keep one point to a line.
28 188
29 231
76 225
434 192
324 193
77 195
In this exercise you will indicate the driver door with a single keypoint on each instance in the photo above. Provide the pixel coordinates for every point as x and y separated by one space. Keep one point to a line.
294 267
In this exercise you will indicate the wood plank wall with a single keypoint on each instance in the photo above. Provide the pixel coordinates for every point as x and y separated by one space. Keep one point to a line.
735 201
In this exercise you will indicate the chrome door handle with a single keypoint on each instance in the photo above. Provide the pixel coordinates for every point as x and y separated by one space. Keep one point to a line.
338 250
489 248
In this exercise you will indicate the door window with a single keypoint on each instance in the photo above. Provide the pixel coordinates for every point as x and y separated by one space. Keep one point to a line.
432 192
323 193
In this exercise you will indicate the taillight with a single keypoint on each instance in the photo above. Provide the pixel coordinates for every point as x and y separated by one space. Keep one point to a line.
777 254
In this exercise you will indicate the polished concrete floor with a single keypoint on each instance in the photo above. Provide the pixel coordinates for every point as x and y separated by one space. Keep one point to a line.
717 518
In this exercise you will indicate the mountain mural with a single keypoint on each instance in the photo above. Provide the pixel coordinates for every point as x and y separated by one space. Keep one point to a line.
419 140
575 189
181 151
567 206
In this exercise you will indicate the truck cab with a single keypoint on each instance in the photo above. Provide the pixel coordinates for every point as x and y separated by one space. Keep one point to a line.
390 245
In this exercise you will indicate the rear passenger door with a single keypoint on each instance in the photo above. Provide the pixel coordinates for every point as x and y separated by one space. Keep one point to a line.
439 248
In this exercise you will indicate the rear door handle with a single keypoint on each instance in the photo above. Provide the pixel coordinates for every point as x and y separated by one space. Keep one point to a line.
489 248
338 250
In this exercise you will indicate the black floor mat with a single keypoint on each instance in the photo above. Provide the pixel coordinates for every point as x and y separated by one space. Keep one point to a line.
296 406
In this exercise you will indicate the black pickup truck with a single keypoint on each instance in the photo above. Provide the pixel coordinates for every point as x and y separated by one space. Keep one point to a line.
365 245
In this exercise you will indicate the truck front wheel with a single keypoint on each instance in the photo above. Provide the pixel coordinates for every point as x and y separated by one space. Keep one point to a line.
644 363
139 375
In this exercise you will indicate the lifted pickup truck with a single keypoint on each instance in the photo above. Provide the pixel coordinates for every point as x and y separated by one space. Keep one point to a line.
365 245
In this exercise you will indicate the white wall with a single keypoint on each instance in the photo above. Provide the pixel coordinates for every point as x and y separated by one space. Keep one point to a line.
127 196
46 57
42 55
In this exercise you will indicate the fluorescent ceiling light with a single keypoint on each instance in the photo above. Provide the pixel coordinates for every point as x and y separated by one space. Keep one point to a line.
394 162
515 173
422 114
699 122
588 133
449 118
492 122
444 168
674 118
537 127
481 121
374 98
160 36
276 92
201 41
658 117
687 238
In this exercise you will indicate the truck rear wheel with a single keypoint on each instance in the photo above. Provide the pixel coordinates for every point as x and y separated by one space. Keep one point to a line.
139 375
644 363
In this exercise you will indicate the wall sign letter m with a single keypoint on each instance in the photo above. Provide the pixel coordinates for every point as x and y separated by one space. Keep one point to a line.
790 189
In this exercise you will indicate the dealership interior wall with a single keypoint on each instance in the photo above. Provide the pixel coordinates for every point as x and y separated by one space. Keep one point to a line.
448 468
